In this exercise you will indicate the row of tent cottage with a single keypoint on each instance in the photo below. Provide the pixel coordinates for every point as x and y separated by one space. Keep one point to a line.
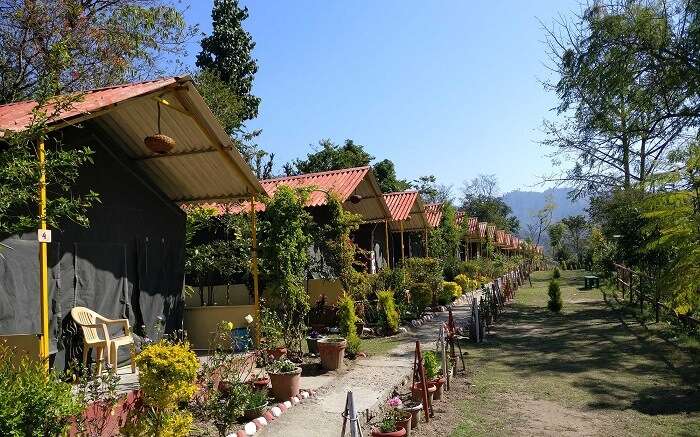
129 262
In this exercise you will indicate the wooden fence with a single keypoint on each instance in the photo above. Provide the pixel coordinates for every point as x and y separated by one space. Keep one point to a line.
641 288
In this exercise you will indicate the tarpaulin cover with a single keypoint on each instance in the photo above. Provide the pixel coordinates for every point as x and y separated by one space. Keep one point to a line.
129 263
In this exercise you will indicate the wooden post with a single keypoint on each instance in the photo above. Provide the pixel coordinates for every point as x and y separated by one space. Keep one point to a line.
254 252
386 242
402 249
419 371
425 231
43 261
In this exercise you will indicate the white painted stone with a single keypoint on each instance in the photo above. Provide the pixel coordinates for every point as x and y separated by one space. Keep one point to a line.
295 400
304 394
402 330
276 411
262 421
250 428
287 404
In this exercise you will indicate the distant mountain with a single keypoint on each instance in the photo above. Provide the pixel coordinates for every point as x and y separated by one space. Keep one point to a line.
525 204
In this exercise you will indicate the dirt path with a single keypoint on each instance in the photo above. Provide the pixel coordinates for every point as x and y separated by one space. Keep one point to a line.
371 381
587 371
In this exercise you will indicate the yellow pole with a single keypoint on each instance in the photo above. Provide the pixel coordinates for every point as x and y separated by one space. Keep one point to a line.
43 260
254 250
386 241
402 250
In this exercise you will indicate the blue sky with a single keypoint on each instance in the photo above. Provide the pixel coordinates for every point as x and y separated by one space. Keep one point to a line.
450 88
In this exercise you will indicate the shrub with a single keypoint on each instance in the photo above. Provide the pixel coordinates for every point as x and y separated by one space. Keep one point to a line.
421 296
167 373
451 290
346 323
388 316
427 271
431 362
466 283
556 274
555 303
32 402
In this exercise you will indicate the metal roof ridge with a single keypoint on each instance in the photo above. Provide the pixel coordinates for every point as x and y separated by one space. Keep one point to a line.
319 173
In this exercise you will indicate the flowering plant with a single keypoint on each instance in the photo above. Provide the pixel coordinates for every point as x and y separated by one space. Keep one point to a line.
393 415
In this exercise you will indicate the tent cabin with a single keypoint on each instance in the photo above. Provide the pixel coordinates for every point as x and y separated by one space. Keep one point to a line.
472 238
359 191
409 226
129 261
433 213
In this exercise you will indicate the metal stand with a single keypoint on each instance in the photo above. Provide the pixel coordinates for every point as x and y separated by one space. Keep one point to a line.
351 414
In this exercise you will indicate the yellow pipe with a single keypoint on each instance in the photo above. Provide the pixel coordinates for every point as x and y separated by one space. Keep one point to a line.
43 261
386 241
254 250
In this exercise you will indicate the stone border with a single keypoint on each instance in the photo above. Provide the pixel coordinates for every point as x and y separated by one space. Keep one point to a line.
252 427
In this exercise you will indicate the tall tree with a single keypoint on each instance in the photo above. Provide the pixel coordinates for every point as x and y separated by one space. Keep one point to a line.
331 156
543 220
444 241
102 42
386 176
480 199
617 130
577 228
431 191
227 52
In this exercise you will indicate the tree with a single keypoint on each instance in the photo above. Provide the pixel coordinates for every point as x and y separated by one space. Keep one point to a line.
431 191
331 156
227 53
616 130
543 221
481 200
85 44
484 185
285 238
386 176
444 241
577 228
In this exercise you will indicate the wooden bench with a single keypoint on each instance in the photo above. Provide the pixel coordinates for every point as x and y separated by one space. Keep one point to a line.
590 281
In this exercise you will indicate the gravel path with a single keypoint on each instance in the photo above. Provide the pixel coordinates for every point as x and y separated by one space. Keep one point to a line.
371 381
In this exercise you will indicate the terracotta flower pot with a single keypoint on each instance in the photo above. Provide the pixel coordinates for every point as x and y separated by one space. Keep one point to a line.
261 383
414 408
439 383
285 385
417 392
376 432
405 423
332 352
254 413
277 352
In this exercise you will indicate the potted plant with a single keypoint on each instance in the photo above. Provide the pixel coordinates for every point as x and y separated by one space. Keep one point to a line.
271 330
431 361
312 342
394 422
417 392
260 382
285 377
332 350
256 404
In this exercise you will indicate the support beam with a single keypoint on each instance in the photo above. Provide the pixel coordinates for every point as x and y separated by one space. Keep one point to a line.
176 155
43 261
386 242
402 249
254 268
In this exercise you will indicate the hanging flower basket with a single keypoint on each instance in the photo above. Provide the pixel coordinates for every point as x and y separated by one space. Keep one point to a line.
159 143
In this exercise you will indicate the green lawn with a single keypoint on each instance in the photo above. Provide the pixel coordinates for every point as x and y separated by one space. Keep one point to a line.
590 370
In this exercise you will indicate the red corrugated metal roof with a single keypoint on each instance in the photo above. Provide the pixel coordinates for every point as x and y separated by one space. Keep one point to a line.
18 116
483 227
473 224
341 182
400 204
459 217
433 212
491 231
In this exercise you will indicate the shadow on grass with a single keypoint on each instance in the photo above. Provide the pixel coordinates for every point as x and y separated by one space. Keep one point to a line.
592 349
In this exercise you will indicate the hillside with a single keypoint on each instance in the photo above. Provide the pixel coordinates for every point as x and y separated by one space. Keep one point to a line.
526 203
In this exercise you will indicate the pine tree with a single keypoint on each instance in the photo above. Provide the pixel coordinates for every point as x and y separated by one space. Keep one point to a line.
555 303
227 52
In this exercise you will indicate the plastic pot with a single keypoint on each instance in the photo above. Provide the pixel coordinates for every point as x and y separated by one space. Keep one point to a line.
417 392
261 383
332 351
414 408
277 352
405 423
312 344
285 385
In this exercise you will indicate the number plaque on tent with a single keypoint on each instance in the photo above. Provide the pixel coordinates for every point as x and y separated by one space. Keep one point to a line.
43 235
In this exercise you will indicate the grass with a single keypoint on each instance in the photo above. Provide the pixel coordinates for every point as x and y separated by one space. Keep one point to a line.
381 345
590 369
